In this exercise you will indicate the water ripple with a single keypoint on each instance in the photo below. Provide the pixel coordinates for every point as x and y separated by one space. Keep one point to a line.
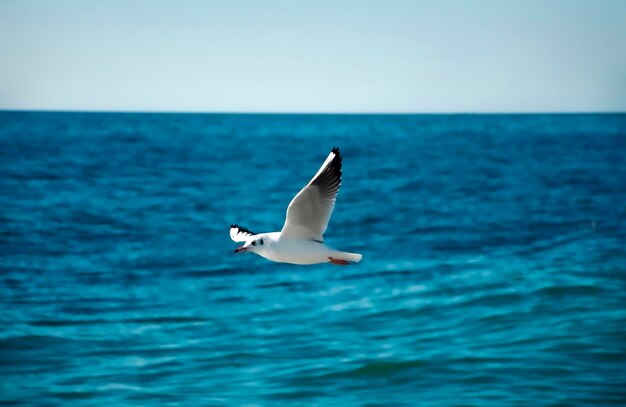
493 270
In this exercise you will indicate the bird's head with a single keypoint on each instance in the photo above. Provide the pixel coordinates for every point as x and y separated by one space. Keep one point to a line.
252 245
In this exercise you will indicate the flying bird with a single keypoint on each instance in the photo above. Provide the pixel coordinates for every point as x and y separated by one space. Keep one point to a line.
301 241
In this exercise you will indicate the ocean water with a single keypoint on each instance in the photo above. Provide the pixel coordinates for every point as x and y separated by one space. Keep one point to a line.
494 268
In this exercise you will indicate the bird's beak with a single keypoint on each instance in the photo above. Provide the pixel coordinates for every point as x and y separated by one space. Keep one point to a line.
241 249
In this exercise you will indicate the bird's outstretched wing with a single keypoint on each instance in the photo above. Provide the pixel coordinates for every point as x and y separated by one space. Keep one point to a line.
309 211
239 234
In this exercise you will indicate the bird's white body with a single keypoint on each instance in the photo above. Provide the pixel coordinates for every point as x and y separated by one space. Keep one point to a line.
293 251
301 241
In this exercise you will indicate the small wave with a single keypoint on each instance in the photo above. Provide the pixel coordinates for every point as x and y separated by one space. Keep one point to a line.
166 320
559 241
53 323
28 342
231 299
358 304
74 395
376 369
488 300
298 395
569 290
290 285
216 272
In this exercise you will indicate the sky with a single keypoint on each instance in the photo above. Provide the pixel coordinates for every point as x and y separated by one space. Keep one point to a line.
314 56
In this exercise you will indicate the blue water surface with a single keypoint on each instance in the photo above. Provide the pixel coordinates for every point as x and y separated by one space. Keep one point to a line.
494 268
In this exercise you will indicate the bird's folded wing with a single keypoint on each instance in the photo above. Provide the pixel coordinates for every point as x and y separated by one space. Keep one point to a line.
309 211
239 234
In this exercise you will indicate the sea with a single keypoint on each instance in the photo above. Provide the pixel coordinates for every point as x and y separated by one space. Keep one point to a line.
493 271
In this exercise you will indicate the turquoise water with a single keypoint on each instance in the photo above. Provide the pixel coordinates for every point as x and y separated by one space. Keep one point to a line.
494 268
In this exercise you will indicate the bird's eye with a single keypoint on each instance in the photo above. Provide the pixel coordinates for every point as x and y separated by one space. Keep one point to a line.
253 243
261 241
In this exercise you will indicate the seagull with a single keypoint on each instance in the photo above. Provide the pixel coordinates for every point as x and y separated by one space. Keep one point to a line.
301 241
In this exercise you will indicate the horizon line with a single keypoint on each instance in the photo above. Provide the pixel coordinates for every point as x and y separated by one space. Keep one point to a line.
311 113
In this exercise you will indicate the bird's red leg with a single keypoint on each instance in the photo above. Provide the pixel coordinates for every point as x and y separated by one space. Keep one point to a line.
339 261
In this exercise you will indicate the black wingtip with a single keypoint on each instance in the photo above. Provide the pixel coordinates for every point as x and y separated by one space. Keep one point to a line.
335 165
242 229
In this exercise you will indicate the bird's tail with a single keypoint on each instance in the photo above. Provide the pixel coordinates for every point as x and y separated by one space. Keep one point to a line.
353 257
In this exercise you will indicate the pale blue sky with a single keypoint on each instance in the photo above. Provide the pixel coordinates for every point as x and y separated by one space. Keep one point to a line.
314 56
